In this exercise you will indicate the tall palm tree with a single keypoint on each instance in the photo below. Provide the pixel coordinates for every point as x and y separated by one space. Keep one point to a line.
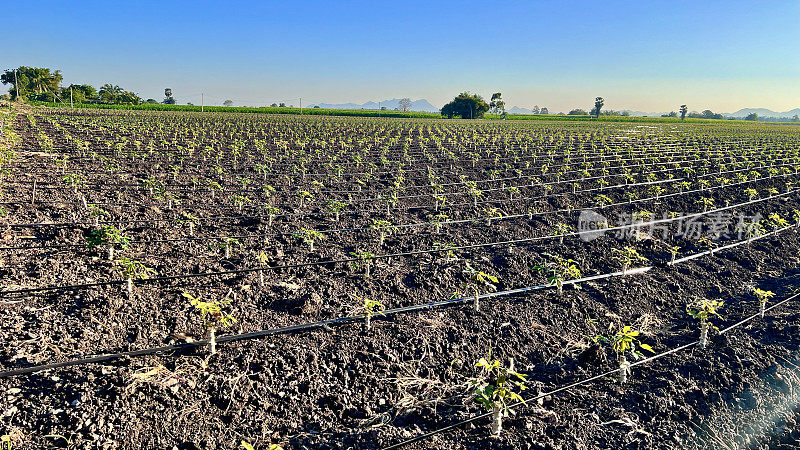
109 92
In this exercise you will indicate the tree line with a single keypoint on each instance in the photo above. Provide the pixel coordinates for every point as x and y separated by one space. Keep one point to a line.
44 85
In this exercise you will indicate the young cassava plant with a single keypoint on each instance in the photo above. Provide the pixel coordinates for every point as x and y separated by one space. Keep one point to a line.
108 236
558 270
477 280
133 270
213 317
703 310
495 388
763 297
368 308
626 257
624 342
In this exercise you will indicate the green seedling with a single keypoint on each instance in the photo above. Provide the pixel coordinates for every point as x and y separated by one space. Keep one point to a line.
602 200
626 257
707 202
382 228
109 236
750 230
627 341
336 207
133 270
495 388
777 222
228 243
703 310
239 201
304 196
447 250
763 296
673 252
365 258
271 211
512 191
477 280
262 263
438 220
97 212
492 213
212 316
560 229
309 237
440 200
190 220
558 270
368 308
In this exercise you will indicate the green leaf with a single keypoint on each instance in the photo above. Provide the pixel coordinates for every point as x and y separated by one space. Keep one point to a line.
247 445
646 347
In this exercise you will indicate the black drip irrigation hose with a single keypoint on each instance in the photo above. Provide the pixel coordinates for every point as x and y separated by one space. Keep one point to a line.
325 324
567 387
375 257
406 225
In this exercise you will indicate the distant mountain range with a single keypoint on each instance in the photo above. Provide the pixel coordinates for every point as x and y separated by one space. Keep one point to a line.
417 105
763 112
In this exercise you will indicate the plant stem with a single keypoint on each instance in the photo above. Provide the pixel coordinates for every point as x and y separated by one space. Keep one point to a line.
212 339
623 370
497 420
704 335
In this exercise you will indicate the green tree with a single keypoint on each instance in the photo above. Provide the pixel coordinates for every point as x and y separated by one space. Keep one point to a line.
109 92
466 106
684 109
35 83
128 98
81 93
598 105
752 116
168 99
227 103
497 105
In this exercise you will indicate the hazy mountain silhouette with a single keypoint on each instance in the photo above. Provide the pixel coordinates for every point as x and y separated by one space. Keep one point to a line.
417 105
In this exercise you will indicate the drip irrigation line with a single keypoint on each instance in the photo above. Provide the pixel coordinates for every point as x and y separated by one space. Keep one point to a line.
676 164
525 401
632 157
422 153
352 201
448 206
407 225
324 324
385 256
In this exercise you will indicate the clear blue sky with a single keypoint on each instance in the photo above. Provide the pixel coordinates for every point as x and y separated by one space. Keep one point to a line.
645 55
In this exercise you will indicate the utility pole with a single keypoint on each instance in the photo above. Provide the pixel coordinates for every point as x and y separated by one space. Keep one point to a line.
301 106
70 97
202 101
